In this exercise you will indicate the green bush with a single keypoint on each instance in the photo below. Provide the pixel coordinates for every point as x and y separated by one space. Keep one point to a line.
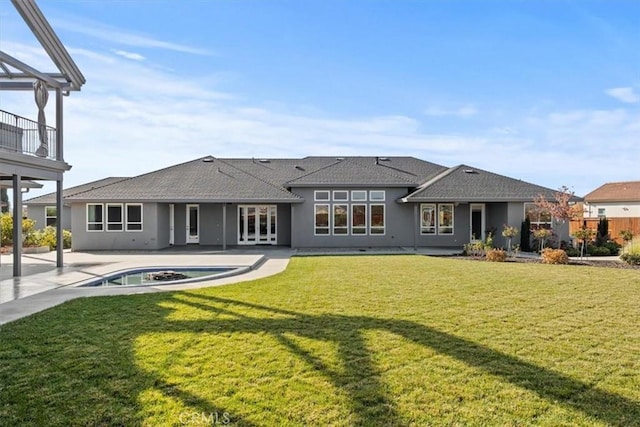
571 251
6 228
554 256
496 255
47 237
614 247
598 251
631 259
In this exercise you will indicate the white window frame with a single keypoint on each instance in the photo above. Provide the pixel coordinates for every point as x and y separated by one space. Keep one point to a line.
340 195
333 216
374 228
107 219
535 225
377 195
318 198
452 226
47 216
128 222
359 227
602 212
315 219
432 228
101 223
358 195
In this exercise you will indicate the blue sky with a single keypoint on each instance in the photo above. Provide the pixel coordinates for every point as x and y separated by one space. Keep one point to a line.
544 91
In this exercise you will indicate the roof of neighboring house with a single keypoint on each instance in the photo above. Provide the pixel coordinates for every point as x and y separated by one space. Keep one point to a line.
468 184
50 198
628 191
207 179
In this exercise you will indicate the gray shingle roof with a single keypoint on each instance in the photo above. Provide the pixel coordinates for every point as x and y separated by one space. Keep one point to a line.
360 171
202 180
467 184
50 198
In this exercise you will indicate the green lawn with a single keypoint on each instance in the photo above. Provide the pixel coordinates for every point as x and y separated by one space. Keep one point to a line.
366 340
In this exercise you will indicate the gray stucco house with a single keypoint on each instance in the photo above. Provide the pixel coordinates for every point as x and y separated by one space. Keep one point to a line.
356 202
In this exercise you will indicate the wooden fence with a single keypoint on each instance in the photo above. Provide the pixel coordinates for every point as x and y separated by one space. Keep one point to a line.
616 225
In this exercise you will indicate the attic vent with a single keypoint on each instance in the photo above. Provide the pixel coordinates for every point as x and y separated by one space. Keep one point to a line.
208 159
300 168
470 171
339 159
264 161
383 159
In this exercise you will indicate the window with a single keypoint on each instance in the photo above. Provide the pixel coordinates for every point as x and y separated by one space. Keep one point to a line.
359 195
134 217
359 219
376 195
322 220
95 221
114 217
321 196
340 219
539 218
377 219
427 219
601 213
340 196
50 216
445 219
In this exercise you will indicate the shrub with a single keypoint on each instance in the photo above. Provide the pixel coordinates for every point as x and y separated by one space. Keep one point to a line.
631 259
571 251
475 249
6 228
554 256
496 255
598 251
47 237
614 247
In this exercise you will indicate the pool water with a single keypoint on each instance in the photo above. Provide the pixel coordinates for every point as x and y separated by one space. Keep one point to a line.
140 276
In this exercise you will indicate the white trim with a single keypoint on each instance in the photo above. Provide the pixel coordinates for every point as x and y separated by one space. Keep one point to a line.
317 199
373 198
354 198
384 218
46 216
477 207
258 238
189 237
126 218
315 213
107 222
453 214
102 223
435 219
346 195
333 216
366 222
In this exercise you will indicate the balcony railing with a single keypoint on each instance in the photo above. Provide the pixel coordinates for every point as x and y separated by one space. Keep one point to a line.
21 135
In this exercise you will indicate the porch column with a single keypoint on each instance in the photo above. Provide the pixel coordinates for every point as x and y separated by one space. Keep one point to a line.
224 226
17 225
59 138
59 219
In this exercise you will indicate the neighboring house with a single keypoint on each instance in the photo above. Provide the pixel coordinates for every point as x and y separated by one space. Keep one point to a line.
43 211
356 202
29 149
619 202
614 200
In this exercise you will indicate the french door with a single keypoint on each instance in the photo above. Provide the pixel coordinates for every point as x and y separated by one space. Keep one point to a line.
257 224
193 224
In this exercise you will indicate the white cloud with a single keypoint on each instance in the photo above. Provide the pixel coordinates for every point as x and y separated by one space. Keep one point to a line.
119 36
129 55
464 111
624 94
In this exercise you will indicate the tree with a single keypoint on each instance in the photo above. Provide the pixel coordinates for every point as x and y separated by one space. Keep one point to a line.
4 200
603 232
561 209
525 235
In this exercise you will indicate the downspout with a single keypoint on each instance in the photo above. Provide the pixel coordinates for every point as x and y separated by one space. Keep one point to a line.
224 226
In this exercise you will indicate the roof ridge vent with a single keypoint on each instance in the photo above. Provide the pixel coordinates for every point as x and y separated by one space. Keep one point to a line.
470 171
208 159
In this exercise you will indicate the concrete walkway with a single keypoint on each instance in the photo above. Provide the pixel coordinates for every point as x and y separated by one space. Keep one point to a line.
43 285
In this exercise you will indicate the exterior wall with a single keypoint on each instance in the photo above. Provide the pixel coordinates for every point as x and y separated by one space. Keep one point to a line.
613 210
84 240
497 218
163 225
37 213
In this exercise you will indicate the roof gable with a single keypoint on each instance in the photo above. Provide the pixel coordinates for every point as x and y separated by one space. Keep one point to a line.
50 198
628 191
466 183
204 179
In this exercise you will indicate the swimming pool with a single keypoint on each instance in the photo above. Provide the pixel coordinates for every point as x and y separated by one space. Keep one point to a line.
148 276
